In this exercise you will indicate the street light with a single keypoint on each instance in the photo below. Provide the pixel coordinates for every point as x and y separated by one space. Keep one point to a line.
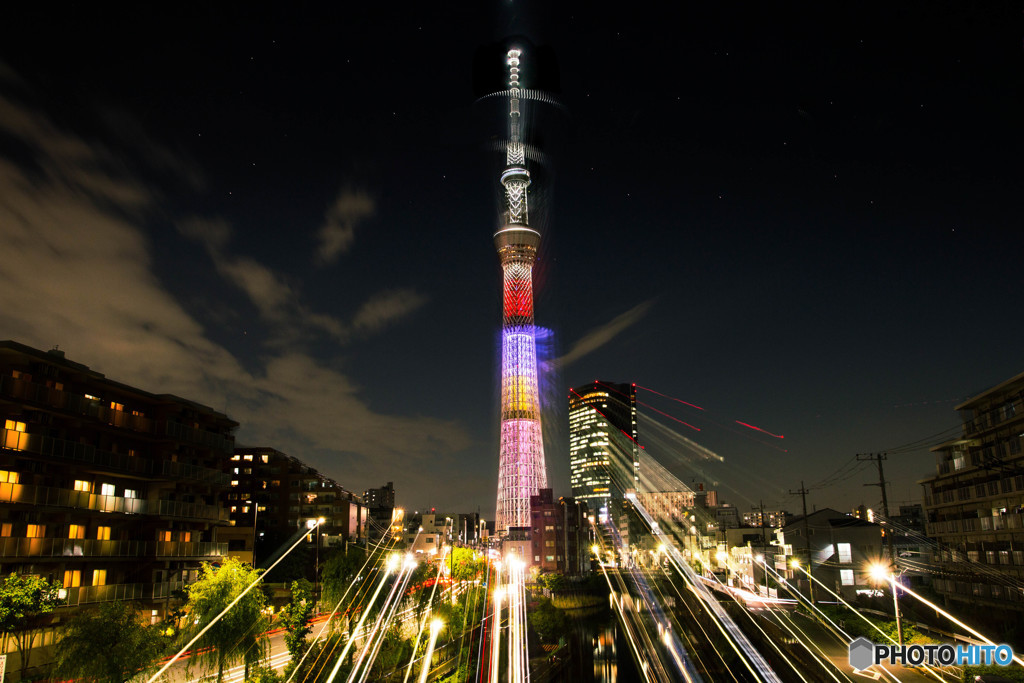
880 572
764 570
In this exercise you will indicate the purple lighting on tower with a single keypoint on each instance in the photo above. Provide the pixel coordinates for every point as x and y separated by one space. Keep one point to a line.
521 471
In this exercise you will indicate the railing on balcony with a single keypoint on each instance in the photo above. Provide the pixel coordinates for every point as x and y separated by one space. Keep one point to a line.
202 437
78 452
90 548
45 495
81 595
74 403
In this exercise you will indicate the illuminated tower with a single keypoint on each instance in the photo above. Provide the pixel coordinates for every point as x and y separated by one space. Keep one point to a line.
521 471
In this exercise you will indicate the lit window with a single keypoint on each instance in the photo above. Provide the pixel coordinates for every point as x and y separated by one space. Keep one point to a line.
8 477
5 530
236 457
76 531
247 457
72 578
265 458
103 533
846 576
234 508
130 493
92 398
845 556
35 531
117 406
163 535
14 425
236 472
107 489
186 536
81 485
99 577
131 452
234 482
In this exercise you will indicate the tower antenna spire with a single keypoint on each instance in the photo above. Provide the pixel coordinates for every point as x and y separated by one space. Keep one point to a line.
521 468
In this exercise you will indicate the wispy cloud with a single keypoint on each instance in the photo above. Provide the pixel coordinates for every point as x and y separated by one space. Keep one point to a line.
386 307
339 229
79 272
601 335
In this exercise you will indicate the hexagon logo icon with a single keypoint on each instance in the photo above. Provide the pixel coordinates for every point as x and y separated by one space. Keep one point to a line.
862 653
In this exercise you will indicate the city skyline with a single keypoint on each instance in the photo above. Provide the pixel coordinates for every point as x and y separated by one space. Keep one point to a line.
812 217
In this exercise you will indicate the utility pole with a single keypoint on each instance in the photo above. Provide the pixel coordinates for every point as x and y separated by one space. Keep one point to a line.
807 538
879 457
764 537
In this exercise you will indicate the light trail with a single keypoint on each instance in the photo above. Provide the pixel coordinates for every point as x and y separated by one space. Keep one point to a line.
435 628
499 596
749 655
673 398
758 429
389 567
671 417
949 616
375 638
423 624
330 617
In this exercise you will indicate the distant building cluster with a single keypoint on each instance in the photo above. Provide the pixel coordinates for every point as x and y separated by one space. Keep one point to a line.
966 541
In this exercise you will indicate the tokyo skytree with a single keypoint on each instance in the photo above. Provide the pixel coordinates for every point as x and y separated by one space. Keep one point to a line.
521 469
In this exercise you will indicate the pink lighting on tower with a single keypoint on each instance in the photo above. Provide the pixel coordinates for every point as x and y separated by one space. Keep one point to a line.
521 469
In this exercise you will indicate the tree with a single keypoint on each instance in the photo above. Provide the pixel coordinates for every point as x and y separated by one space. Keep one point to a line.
295 618
547 621
239 634
108 644
466 564
338 572
24 600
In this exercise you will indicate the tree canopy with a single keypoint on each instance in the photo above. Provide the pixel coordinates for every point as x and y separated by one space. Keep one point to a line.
107 644
239 634
24 602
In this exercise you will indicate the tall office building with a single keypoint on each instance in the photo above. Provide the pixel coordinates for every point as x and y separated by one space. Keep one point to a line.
604 450
521 469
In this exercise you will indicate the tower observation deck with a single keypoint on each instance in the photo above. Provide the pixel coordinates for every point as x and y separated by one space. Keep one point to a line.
521 469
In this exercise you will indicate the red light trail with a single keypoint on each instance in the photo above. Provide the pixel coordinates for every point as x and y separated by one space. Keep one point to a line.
671 417
758 429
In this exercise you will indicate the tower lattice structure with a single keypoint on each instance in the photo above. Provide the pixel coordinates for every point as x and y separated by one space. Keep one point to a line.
521 469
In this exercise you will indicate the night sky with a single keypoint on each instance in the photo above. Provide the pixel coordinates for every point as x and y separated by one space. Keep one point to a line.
806 220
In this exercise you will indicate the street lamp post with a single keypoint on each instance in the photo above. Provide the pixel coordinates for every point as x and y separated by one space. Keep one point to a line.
881 572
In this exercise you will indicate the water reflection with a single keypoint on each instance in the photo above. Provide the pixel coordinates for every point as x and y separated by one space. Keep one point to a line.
604 654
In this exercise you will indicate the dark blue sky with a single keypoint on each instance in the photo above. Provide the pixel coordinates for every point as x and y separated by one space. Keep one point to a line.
805 220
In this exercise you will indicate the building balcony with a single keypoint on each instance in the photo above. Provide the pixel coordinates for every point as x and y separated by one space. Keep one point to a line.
201 437
40 394
63 449
81 595
46 496
1012 521
90 548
